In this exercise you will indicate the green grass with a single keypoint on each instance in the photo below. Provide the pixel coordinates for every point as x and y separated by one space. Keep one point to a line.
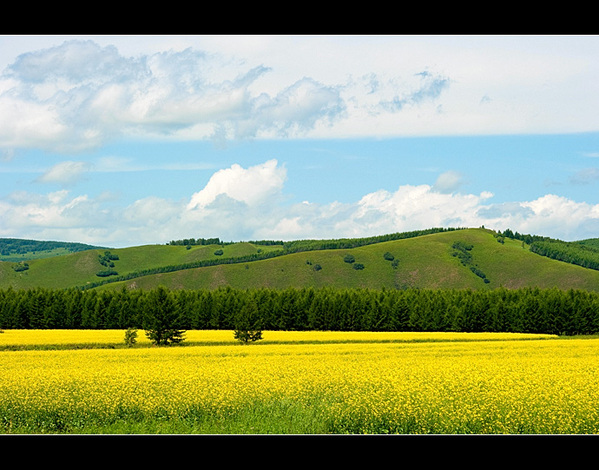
35 255
79 269
423 262
273 417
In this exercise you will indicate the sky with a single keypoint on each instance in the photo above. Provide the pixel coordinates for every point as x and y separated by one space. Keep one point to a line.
139 139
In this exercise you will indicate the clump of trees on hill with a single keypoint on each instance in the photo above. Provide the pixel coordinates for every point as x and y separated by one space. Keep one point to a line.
462 251
578 253
307 245
21 266
107 260
197 241
526 310
569 252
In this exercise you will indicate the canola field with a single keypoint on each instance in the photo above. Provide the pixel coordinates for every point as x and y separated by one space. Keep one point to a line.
61 381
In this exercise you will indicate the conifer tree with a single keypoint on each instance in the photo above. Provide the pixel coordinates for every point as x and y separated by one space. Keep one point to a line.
162 319
247 322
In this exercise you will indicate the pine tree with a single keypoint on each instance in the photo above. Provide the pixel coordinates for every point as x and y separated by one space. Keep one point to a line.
162 319
247 322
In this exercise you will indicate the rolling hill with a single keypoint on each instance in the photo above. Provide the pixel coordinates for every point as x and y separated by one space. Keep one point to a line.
466 258
17 249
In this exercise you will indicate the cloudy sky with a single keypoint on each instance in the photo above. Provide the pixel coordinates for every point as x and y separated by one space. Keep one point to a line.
130 140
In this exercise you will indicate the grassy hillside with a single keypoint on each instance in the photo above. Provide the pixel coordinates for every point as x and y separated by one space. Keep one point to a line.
423 262
79 269
18 250
426 261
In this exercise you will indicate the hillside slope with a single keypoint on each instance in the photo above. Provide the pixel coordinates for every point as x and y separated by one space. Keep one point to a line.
422 262
18 250
80 269
427 261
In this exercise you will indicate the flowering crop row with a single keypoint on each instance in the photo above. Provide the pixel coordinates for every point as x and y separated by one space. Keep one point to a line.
356 383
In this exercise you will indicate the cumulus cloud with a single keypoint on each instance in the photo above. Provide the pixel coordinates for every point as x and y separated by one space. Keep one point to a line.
53 211
251 186
409 207
576 218
248 203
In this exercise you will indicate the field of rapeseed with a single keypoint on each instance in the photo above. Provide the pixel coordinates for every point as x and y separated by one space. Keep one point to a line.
57 381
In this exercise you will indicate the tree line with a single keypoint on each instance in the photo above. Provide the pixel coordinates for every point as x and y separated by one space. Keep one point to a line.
307 245
295 246
18 246
569 252
198 241
526 310
580 253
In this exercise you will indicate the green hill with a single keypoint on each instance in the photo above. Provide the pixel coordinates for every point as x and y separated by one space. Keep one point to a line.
19 250
81 269
468 258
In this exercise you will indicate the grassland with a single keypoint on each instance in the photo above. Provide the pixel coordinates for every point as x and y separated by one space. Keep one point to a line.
300 383
80 269
421 262
16 249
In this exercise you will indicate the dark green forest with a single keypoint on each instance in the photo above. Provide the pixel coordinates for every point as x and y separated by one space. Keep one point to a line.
529 310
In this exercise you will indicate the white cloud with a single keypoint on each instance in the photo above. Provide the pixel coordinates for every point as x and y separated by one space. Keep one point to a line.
25 211
78 95
251 186
410 208
564 217
65 173
248 204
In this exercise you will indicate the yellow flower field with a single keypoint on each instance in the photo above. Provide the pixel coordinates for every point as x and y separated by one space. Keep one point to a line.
115 337
346 382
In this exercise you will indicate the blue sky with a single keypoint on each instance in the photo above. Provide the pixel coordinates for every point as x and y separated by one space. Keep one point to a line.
129 140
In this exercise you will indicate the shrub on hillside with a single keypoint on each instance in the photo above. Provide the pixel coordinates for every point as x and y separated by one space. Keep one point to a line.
21 266
106 273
